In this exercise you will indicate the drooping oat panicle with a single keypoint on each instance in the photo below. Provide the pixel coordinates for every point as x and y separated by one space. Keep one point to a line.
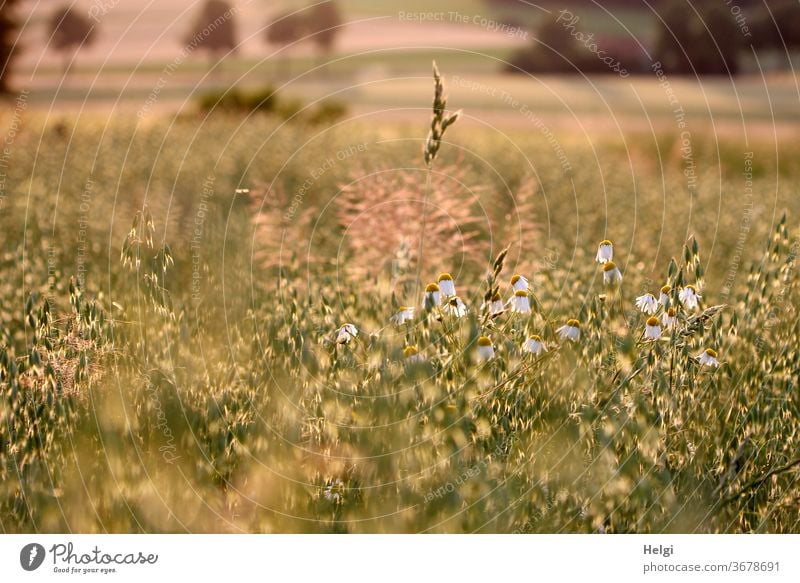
492 294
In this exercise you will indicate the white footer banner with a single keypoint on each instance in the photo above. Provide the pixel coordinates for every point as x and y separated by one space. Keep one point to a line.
402 558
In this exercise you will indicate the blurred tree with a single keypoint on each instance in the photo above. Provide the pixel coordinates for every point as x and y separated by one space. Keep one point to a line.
8 42
776 24
214 30
69 32
561 47
703 42
284 31
323 22
530 6
553 51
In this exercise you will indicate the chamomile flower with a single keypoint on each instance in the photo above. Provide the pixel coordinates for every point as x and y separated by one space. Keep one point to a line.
669 318
521 303
433 297
570 331
534 345
333 492
708 358
647 304
611 273
652 328
519 282
689 296
446 285
605 251
411 354
496 306
455 307
663 297
405 314
346 333
485 349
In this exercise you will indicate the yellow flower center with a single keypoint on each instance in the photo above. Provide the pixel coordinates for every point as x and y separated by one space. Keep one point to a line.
484 341
445 276
609 266
574 323
536 338
652 321
666 289
605 243
521 293
691 287
496 298
671 312
515 278
711 352
432 287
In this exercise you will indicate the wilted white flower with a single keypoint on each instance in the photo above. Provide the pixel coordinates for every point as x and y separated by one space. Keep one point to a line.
405 314
485 349
663 297
708 357
455 307
669 318
520 303
689 296
496 306
446 285
570 331
652 329
346 333
411 353
519 282
647 304
333 491
534 345
605 251
433 297
611 273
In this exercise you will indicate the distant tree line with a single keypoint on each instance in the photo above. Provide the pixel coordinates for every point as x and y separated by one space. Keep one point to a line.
692 37
69 31
9 30
214 31
320 24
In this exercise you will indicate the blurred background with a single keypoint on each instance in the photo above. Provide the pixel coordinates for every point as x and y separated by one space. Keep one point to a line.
576 61
195 195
